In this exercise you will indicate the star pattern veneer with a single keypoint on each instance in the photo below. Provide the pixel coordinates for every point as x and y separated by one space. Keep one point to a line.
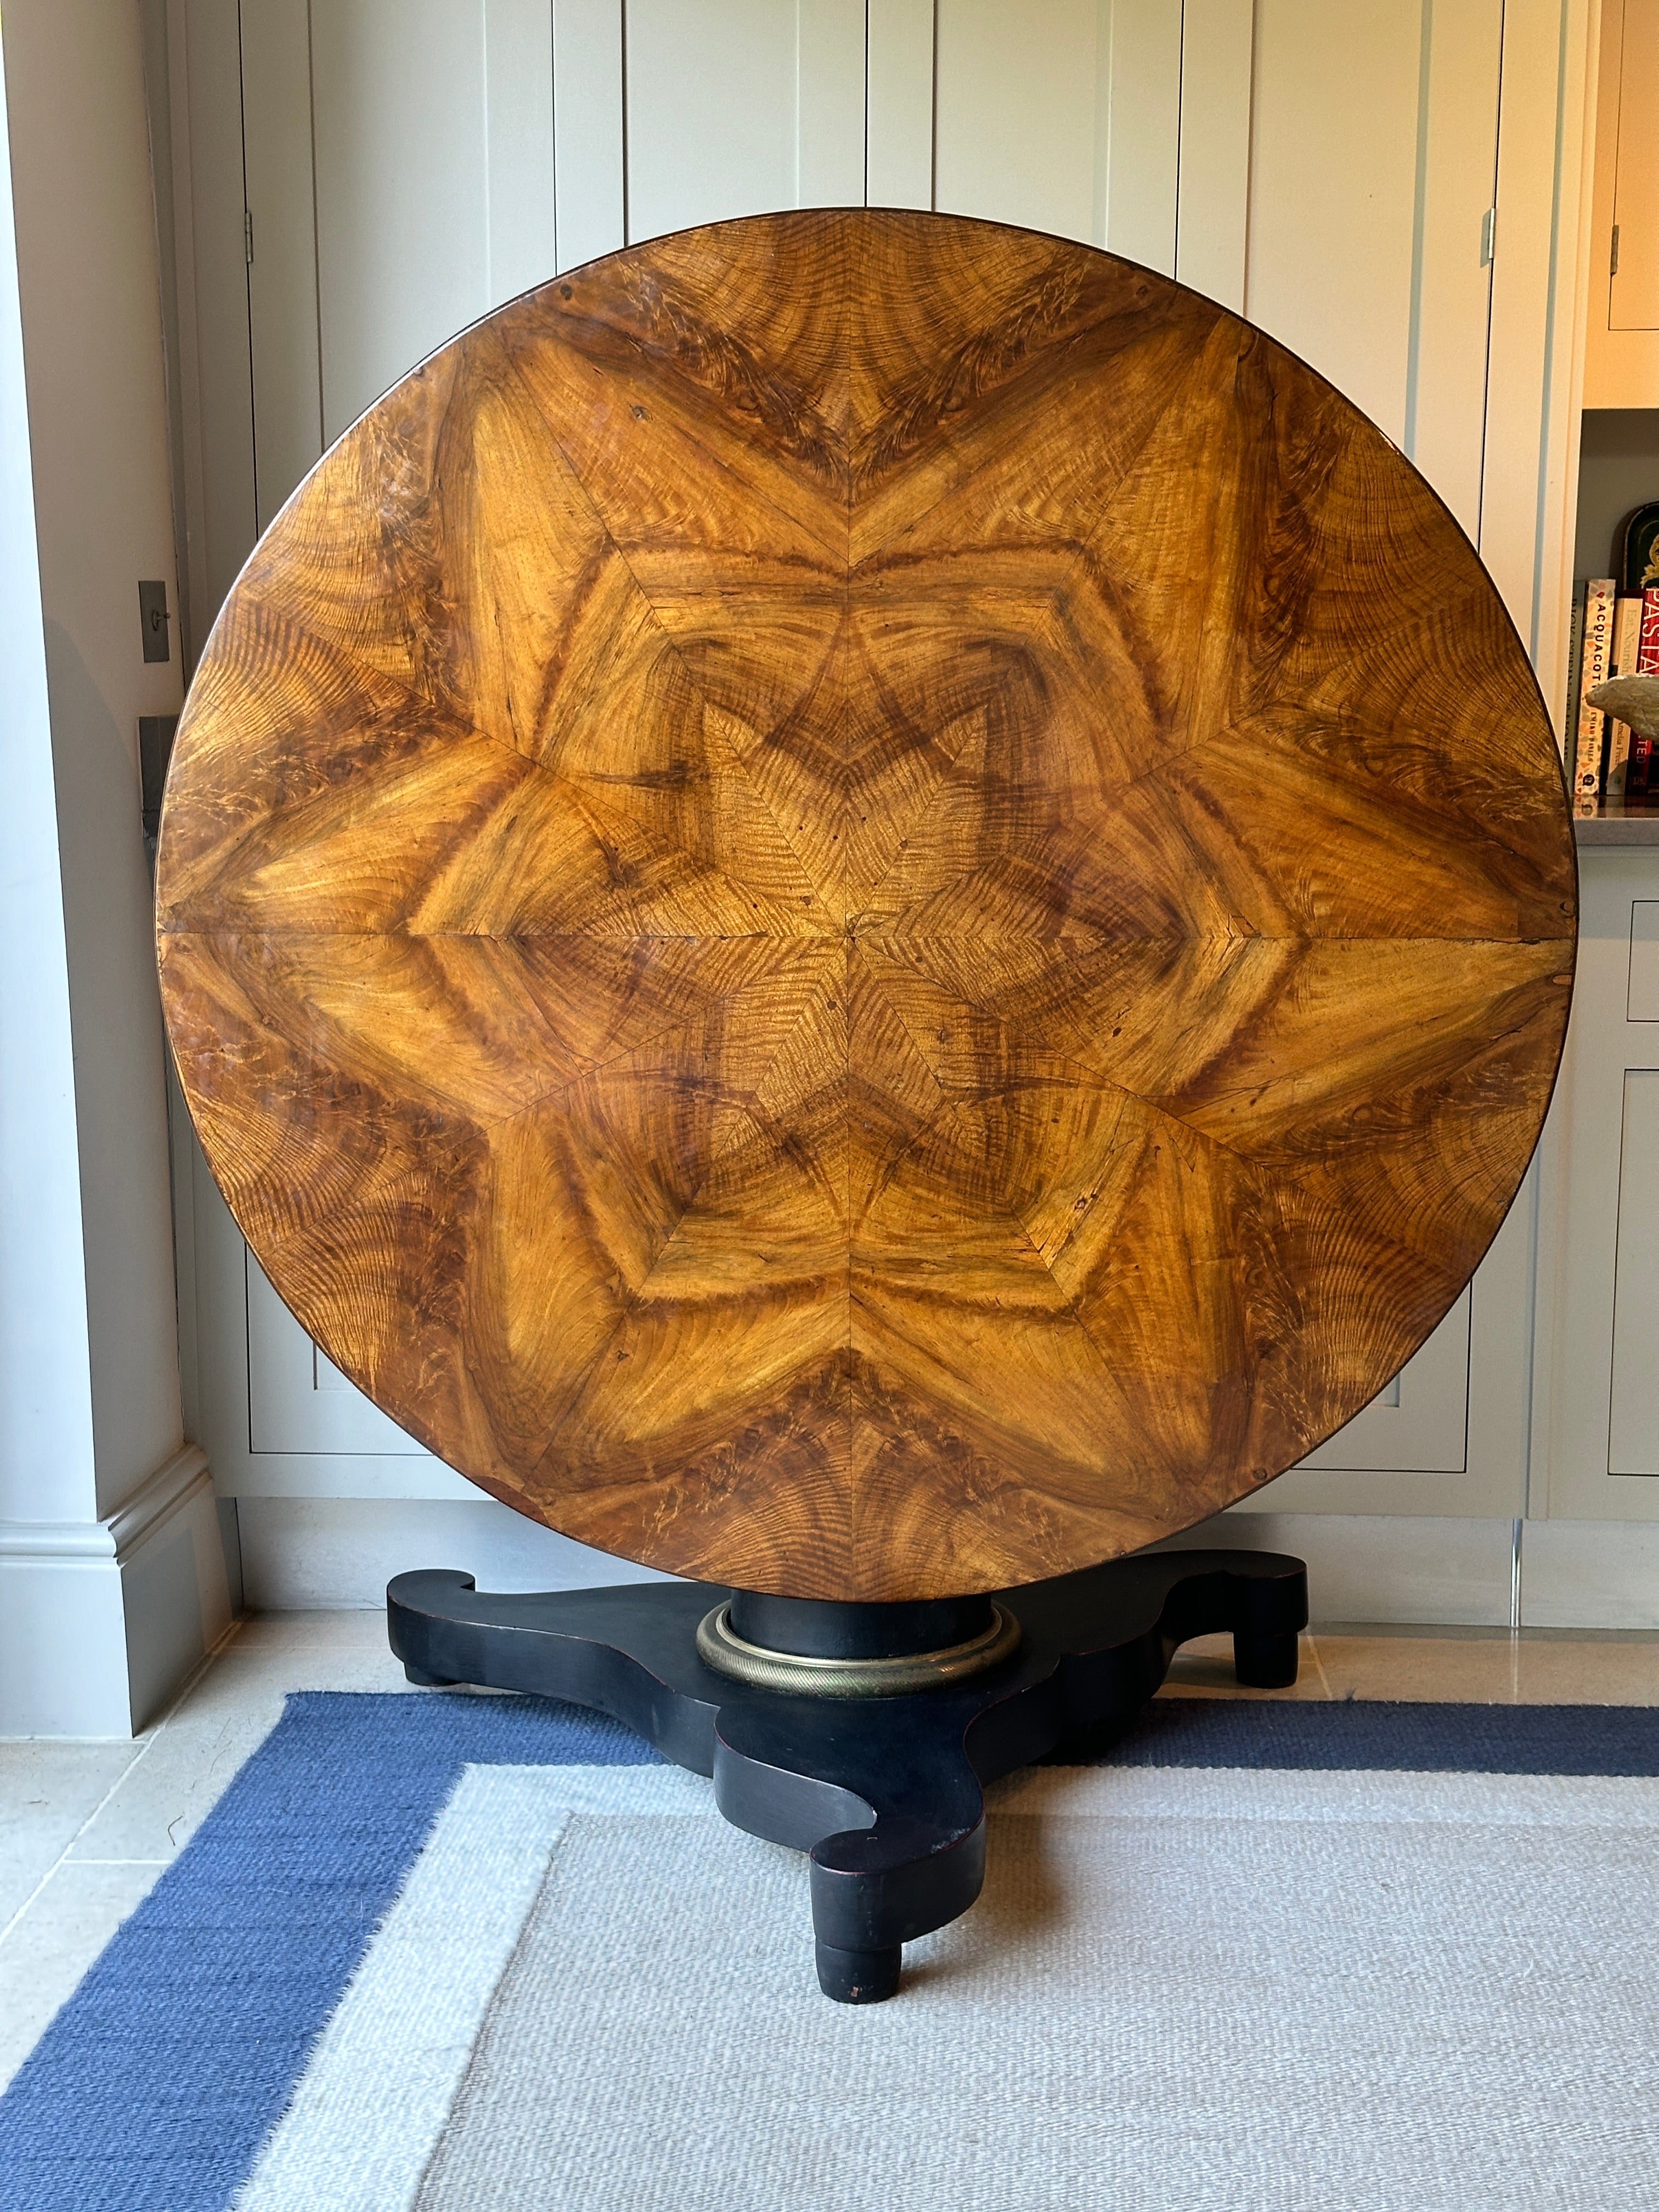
866 906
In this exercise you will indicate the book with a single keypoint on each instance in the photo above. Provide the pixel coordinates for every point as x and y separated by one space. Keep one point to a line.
1637 767
1626 636
1647 649
1639 779
1599 604
1575 660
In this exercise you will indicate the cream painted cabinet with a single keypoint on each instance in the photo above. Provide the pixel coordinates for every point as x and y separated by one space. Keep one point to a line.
1634 1398
399 166
1621 360
1337 174
1600 1251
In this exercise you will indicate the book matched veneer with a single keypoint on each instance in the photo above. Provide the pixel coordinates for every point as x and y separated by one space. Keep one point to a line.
866 905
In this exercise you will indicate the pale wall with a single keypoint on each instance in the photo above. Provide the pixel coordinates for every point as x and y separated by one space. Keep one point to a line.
45 1410
91 319
112 1578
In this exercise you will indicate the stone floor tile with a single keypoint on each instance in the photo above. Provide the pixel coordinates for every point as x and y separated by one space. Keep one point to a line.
53 1942
1452 1670
48 1790
1604 1671
362 1630
1204 1669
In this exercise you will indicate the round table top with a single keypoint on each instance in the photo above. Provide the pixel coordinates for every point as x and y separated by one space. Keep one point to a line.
866 905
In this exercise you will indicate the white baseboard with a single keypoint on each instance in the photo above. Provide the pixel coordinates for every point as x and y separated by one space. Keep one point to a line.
341 1552
101 1620
1590 1574
1383 1567
304 1552
1574 1574
299 1552
62 1649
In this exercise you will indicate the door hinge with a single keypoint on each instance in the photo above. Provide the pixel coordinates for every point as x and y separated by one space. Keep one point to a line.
154 619
1488 236
1614 270
247 236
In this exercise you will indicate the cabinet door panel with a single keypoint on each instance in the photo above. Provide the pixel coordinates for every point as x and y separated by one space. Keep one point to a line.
1019 99
1419 1425
298 1400
281 248
1065 115
519 174
711 111
830 102
738 106
1213 189
1621 356
1598 1423
591 190
1450 310
1333 193
1635 284
398 158
1374 162
1642 991
899 158
276 1419
1633 1432
1142 118
397 106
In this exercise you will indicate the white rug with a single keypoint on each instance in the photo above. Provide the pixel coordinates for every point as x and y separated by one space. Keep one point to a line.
1184 1989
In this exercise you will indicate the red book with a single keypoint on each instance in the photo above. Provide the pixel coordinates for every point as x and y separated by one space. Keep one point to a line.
1647 649
1640 767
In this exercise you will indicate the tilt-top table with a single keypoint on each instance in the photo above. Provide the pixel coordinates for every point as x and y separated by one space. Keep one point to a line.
869 907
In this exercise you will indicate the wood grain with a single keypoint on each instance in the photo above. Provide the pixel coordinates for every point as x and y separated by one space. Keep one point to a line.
866 905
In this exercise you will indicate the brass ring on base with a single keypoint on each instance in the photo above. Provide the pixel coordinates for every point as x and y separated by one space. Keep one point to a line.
720 1647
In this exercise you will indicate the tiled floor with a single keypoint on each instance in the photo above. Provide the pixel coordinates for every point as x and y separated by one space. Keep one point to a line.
85 1828
1474 1665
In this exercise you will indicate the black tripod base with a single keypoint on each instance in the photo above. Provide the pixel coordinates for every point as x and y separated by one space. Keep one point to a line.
885 1794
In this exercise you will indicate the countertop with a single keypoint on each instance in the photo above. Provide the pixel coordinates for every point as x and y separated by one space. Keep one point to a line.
1613 824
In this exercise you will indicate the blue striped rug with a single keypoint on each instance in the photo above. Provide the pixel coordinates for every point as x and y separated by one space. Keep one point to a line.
156 2085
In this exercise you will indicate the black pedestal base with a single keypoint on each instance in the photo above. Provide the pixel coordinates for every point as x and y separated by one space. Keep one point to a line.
883 1793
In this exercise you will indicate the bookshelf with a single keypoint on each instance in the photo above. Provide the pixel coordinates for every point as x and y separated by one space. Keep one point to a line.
1612 823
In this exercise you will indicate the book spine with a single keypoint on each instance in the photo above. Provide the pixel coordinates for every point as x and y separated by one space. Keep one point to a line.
1599 603
1626 639
1647 649
1639 778
1575 661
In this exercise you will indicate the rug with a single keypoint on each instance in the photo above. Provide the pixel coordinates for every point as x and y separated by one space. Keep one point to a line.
438 1953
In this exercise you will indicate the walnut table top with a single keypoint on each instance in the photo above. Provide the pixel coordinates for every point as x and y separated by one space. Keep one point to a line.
866 905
